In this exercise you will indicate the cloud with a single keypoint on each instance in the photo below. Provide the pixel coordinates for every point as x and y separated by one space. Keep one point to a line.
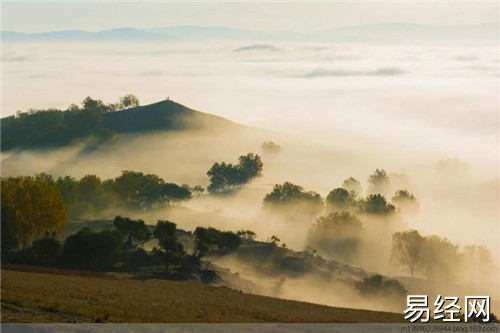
15 58
150 73
258 47
384 71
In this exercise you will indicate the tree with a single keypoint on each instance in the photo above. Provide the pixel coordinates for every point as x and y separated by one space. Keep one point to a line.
478 265
173 250
174 193
376 204
246 234
211 238
269 147
407 250
128 101
337 235
228 241
46 252
228 177
340 199
90 250
274 239
378 182
147 191
440 258
31 209
289 194
406 201
135 231
251 165
203 238
90 190
379 286
352 185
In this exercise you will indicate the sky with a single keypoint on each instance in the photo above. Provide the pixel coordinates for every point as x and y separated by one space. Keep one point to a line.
298 16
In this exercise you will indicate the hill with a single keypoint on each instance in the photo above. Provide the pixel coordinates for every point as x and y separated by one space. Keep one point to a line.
62 296
162 116
53 128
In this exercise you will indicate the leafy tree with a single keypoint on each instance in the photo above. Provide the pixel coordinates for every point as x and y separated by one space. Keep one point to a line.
338 235
228 177
203 238
31 209
196 190
228 241
90 250
90 190
340 199
146 191
441 258
128 101
406 201
376 204
173 250
352 185
251 165
211 238
47 252
69 189
478 264
246 234
269 147
407 250
290 194
378 182
174 193
274 239
43 252
136 232
379 286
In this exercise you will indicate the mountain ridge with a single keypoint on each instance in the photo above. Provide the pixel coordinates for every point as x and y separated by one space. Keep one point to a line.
385 32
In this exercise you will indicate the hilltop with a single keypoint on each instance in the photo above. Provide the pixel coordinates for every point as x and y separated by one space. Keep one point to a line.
55 128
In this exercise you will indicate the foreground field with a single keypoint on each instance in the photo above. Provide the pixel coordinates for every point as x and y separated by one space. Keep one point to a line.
32 295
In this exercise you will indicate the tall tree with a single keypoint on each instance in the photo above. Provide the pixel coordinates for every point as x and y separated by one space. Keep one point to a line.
407 250
31 209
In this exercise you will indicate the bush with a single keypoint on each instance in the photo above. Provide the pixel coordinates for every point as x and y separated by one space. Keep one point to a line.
379 286
90 250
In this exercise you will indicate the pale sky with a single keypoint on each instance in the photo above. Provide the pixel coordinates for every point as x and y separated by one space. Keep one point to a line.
298 16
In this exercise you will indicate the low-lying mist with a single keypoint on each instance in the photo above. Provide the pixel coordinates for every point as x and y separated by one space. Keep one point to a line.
425 115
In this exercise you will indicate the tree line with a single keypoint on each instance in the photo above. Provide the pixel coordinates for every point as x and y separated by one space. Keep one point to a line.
34 207
121 247
438 258
54 127
345 198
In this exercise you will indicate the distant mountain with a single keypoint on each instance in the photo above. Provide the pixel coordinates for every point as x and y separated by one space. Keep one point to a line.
52 128
373 33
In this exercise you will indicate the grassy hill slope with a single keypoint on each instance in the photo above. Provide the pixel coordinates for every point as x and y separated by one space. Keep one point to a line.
63 296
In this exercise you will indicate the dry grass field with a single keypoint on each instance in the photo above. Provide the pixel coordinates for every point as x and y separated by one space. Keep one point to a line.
51 295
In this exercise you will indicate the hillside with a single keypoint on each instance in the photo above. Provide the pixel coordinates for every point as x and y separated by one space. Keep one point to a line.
59 296
53 128
162 116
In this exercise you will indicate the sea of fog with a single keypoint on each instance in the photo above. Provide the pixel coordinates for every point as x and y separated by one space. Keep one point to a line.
422 102
401 108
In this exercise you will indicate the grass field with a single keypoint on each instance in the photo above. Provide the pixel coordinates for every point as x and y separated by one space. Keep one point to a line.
44 295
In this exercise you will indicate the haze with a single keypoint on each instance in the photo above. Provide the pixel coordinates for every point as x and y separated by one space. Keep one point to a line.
426 113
